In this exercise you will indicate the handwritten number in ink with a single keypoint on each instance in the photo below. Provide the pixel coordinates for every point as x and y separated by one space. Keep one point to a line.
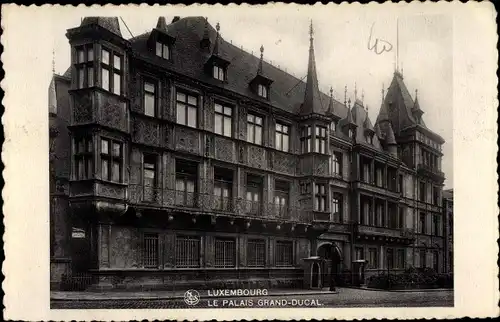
384 45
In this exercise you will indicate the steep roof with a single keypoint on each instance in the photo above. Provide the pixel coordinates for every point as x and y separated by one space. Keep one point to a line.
362 120
286 93
389 135
109 23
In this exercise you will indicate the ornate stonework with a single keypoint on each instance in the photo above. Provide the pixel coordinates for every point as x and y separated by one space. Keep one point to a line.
82 109
224 149
146 132
187 140
321 166
256 157
112 112
283 162
111 191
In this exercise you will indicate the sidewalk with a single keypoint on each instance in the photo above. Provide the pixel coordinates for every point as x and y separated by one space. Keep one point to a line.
403 290
167 295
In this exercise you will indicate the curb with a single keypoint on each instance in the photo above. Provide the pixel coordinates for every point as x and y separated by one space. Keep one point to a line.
178 297
408 291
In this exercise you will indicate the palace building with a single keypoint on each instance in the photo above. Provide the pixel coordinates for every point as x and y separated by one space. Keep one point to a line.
179 159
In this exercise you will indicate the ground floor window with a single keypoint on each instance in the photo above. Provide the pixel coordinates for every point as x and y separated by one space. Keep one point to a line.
150 250
422 258
400 258
225 252
390 258
373 258
284 253
359 253
256 253
435 260
187 251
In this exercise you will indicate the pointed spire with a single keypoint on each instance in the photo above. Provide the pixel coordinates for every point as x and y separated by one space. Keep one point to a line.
205 41
312 100
350 119
367 124
259 71
362 96
345 96
161 24
355 92
330 104
417 112
376 128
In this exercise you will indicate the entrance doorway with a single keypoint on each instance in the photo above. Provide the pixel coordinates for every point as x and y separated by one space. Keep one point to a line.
331 265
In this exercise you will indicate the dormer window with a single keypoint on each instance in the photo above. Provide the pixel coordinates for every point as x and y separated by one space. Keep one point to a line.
219 73
162 50
351 133
262 90
369 139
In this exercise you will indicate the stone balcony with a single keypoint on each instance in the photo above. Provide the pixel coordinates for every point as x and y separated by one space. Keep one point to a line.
390 235
432 172
377 190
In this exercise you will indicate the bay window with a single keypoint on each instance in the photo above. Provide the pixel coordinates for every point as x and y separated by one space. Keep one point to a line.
111 71
84 66
320 145
111 160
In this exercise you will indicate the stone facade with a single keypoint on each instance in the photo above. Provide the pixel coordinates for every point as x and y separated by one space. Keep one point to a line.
166 191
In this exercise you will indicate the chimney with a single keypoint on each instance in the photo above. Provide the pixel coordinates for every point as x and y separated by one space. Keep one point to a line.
176 18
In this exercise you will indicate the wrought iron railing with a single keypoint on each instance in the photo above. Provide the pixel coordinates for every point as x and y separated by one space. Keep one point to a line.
196 201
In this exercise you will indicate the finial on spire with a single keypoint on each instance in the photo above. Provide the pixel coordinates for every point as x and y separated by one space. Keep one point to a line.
355 91
366 110
261 58
217 27
416 93
349 102
331 91
311 31
362 96
53 61
345 95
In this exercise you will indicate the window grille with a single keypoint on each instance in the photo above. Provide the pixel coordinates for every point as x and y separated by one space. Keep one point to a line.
373 258
284 253
225 253
256 253
187 251
150 250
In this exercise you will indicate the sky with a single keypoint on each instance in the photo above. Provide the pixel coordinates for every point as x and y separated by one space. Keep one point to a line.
341 40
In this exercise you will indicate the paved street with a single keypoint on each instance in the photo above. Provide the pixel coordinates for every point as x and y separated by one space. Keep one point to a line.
345 297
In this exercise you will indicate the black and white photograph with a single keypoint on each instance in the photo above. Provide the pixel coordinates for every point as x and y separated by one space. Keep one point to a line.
262 159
